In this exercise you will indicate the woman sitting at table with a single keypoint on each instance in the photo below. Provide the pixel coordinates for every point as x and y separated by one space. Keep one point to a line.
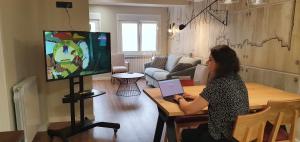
225 95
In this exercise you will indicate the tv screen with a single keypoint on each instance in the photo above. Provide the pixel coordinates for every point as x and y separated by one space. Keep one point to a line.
76 53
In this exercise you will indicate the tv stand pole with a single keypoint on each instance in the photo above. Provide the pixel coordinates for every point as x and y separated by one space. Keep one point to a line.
84 124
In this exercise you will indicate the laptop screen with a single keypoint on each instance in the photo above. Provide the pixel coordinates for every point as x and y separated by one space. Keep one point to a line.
170 87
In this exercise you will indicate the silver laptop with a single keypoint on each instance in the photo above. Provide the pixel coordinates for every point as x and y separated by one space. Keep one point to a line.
169 88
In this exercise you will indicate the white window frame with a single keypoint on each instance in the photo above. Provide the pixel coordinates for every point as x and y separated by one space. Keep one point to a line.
139 19
95 17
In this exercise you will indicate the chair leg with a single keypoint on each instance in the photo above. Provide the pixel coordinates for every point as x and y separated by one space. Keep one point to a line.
177 132
112 79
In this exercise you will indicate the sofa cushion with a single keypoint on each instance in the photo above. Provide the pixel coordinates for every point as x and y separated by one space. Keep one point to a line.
160 75
181 66
119 69
171 62
193 61
159 62
151 71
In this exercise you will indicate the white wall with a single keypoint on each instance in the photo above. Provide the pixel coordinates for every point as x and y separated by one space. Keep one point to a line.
270 64
21 26
14 17
140 2
57 19
4 106
109 22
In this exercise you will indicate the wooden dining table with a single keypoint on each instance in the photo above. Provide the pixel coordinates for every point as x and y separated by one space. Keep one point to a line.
259 95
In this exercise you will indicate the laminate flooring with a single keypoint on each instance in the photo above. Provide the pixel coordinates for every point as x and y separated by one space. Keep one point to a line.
137 116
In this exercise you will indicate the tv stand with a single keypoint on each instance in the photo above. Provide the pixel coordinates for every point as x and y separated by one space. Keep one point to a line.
85 123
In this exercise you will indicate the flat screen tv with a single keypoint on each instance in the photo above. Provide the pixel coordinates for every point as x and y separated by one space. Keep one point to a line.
71 54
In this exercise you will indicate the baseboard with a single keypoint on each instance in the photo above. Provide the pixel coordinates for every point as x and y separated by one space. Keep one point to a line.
106 76
43 127
102 78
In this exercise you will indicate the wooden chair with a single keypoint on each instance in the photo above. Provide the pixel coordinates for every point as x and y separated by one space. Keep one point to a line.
250 127
283 113
200 77
187 122
119 65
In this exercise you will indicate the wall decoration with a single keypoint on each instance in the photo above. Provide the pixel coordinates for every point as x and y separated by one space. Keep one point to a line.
247 26
265 37
276 20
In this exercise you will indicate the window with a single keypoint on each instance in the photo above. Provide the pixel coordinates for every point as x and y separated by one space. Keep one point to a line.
149 37
130 36
139 39
138 33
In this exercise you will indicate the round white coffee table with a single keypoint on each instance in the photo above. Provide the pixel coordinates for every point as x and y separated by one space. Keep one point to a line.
128 84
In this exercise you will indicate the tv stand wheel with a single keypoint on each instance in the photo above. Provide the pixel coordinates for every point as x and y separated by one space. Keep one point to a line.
51 138
65 140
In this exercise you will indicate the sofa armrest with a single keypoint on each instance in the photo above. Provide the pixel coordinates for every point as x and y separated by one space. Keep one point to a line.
187 72
147 65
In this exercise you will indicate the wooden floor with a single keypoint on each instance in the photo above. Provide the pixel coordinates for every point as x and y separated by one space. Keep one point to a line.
137 116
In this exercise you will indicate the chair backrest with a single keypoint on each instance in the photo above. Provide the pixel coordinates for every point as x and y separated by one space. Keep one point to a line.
283 112
251 126
118 59
201 74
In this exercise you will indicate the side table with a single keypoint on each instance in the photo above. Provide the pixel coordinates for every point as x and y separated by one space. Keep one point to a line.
128 84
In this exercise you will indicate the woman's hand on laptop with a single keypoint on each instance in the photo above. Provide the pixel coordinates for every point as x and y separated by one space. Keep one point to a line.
189 96
177 98
185 97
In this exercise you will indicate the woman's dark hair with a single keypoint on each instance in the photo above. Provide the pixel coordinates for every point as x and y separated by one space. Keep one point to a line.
226 59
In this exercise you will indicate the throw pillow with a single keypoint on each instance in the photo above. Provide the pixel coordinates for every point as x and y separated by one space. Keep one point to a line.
189 60
181 66
159 62
171 62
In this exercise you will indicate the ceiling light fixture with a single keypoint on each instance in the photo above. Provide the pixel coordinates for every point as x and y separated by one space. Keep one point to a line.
228 1
182 26
257 2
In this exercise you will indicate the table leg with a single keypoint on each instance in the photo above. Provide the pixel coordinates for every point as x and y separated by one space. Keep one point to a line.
159 126
138 89
120 81
171 134
162 118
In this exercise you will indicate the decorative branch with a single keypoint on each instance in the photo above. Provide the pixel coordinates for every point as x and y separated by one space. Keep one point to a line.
248 42
261 43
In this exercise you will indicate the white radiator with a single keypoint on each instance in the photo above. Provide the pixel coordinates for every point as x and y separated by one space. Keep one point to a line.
136 62
26 100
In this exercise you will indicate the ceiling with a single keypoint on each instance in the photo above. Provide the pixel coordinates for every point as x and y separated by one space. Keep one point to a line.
153 3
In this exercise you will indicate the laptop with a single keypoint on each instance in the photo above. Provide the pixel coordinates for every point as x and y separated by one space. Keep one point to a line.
169 88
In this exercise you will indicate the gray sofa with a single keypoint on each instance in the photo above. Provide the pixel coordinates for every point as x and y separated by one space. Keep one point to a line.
169 67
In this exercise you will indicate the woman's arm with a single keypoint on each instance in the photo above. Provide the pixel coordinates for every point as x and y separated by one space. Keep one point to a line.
191 107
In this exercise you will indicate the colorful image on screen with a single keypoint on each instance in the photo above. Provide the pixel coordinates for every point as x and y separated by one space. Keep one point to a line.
72 54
